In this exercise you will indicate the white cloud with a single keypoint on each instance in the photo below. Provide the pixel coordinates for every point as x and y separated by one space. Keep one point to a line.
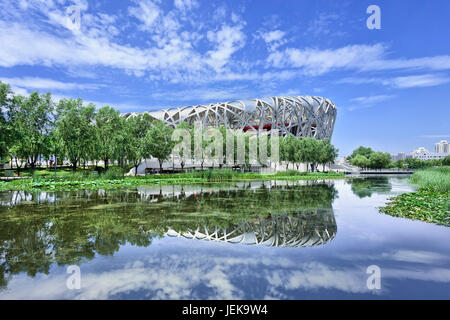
325 24
403 82
46 84
273 39
426 80
146 12
227 40
441 275
178 47
418 256
163 58
23 46
271 36
318 276
369 101
185 5
359 57
433 63
205 94
220 13
317 62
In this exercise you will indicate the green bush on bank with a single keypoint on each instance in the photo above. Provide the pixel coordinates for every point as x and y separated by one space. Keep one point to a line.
113 173
435 179
210 175
291 173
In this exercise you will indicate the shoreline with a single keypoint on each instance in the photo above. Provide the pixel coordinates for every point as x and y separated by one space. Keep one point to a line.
49 184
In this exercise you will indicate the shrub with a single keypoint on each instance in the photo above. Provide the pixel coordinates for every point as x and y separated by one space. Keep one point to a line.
113 173
291 173
93 175
446 161
8 173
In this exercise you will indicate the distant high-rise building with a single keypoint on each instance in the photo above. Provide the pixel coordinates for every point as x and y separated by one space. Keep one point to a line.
442 147
399 156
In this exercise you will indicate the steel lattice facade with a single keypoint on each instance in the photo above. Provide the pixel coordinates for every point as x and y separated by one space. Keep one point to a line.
301 116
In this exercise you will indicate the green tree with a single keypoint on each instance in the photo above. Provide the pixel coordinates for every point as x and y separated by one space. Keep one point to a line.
31 121
199 152
364 151
74 129
5 99
360 161
87 149
379 160
188 131
158 142
107 125
297 155
122 143
136 128
284 150
289 146
224 131
446 161
310 152
399 164
414 163
327 152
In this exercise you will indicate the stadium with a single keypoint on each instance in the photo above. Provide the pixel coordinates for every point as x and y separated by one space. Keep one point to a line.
301 116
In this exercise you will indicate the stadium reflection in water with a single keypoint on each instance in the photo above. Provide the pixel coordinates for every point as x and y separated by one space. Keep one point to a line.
280 230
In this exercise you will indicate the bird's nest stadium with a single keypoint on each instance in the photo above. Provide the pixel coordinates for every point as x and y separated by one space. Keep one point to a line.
301 116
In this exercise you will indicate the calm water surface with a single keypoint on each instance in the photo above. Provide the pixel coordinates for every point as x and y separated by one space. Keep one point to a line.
252 240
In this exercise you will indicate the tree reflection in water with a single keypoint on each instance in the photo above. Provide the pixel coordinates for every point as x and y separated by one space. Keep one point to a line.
38 229
365 187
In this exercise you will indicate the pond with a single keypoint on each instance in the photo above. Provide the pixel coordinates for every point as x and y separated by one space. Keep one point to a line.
246 240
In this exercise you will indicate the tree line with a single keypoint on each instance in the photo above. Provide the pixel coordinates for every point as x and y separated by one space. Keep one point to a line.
366 158
307 150
35 126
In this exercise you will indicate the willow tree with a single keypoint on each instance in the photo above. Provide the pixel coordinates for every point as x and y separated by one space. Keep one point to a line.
158 142
31 123
136 129
74 129
5 98
310 148
327 153
107 125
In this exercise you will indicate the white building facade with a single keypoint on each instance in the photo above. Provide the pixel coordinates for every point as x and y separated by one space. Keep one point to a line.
442 147
423 154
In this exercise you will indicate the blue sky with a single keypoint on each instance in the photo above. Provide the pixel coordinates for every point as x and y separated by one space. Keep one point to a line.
391 86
